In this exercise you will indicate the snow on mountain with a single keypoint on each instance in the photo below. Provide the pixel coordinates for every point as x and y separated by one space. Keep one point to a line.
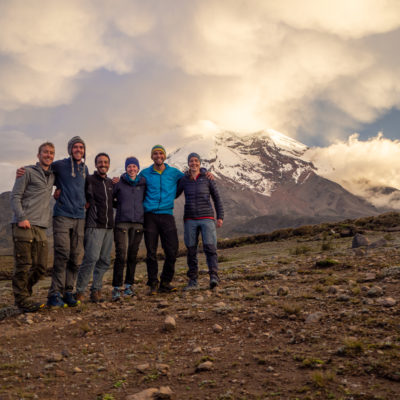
243 159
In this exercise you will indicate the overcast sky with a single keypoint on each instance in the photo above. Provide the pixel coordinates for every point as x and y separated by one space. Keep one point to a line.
127 74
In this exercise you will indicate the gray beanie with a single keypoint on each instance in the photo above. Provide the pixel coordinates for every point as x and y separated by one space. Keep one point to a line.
193 155
72 141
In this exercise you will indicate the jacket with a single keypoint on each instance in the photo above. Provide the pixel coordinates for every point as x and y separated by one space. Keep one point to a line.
71 202
161 189
30 196
197 197
128 199
99 196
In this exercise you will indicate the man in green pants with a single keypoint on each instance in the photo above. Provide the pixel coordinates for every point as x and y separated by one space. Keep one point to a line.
30 201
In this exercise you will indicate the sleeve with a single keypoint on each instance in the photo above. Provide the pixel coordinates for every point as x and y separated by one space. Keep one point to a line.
217 199
17 194
89 191
179 188
115 194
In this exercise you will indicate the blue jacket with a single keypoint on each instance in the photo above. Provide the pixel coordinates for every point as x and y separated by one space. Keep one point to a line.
71 202
161 189
128 199
198 194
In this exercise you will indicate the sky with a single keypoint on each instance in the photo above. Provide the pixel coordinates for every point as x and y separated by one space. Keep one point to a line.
126 74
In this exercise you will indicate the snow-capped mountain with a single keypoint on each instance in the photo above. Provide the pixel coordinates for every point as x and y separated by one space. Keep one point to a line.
264 175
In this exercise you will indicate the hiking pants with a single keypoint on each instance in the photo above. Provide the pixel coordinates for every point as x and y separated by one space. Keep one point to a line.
30 255
163 226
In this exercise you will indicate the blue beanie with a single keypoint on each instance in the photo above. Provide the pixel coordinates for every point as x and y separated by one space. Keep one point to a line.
193 155
131 160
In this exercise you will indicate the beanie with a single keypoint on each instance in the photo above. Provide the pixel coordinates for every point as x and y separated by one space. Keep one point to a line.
131 160
158 147
193 155
72 141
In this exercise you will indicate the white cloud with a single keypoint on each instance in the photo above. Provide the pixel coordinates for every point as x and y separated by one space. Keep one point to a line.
360 165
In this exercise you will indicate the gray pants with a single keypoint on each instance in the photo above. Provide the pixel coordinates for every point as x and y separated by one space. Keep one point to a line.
97 258
30 255
68 249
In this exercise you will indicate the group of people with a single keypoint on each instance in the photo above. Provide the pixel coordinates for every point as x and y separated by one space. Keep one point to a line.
84 224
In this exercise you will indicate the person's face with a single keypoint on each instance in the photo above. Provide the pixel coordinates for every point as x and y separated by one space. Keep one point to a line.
194 164
46 156
78 151
102 165
158 157
132 170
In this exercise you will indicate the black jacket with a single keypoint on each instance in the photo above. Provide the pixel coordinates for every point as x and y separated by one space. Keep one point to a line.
197 197
99 196
128 199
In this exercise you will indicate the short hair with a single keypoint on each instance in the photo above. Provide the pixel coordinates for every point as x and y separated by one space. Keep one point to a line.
99 155
48 144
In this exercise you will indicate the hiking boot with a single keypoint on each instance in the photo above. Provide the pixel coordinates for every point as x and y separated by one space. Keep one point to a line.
80 297
28 306
192 285
69 299
166 288
129 291
213 282
153 289
116 294
55 301
95 296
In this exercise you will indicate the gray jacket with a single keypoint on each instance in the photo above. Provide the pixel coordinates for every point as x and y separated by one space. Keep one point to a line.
30 197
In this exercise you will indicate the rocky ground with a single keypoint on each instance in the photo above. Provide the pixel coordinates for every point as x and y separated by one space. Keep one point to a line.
303 318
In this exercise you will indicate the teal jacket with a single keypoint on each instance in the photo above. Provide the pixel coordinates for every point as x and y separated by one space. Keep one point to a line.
161 189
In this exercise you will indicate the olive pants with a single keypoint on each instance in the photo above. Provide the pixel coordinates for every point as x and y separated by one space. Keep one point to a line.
30 255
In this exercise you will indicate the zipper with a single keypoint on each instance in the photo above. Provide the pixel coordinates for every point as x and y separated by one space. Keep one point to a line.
105 191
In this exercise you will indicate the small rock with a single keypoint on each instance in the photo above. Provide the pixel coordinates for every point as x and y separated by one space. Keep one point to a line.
217 328
199 299
163 368
375 291
343 297
143 367
379 243
169 323
205 366
359 240
77 370
387 302
60 373
197 349
370 277
391 271
163 304
282 291
164 393
220 304
148 394
359 252
333 289
314 317
55 357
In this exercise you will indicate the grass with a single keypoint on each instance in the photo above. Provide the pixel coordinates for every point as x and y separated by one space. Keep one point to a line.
321 379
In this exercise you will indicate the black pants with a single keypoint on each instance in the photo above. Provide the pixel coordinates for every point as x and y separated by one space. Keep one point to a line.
163 226
127 237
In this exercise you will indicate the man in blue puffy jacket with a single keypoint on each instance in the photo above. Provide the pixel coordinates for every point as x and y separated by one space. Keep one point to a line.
161 180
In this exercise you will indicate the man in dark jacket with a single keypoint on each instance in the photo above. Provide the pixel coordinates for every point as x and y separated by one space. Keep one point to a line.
199 217
128 196
30 201
98 230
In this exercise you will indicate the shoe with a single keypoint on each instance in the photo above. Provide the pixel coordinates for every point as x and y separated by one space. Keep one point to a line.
95 296
192 285
69 299
79 297
153 289
166 288
129 291
55 301
116 294
28 306
213 282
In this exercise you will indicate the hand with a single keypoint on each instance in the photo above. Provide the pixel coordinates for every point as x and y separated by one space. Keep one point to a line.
87 205
20 172
210 176
25 224
115 180
219 223
57 194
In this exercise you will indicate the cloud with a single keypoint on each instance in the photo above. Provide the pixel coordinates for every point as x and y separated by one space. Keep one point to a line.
361 166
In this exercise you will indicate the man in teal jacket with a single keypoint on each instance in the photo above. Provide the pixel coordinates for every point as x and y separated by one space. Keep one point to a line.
161 180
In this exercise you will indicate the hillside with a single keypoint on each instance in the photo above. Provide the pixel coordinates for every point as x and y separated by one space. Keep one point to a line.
306 317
